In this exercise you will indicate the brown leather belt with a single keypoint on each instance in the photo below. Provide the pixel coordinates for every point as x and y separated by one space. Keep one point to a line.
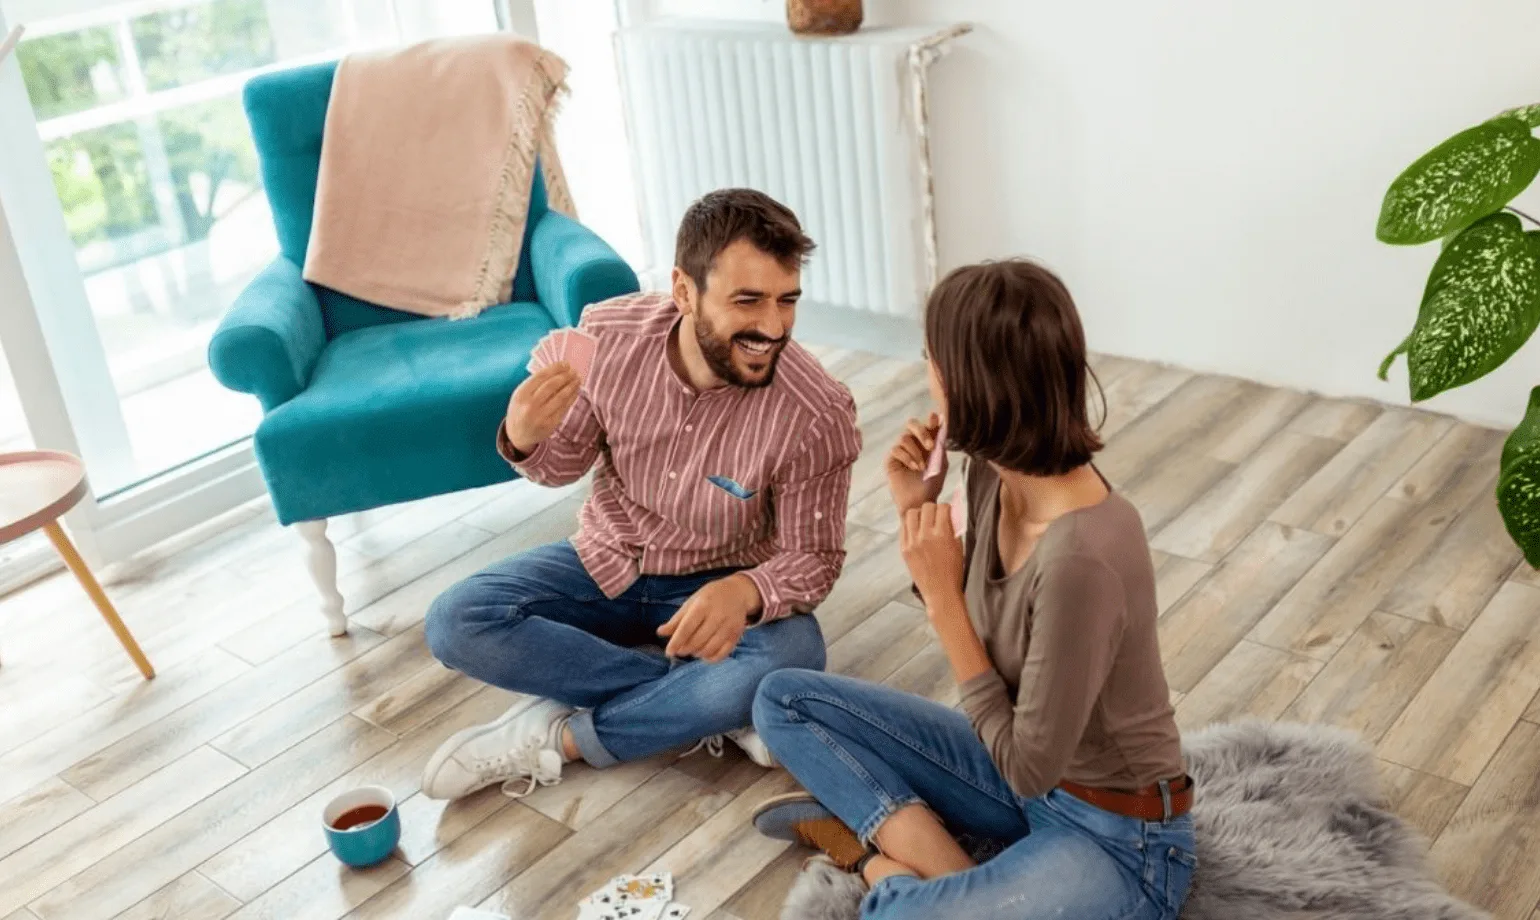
1163 801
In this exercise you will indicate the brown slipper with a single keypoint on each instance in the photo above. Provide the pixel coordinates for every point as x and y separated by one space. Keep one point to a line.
799 817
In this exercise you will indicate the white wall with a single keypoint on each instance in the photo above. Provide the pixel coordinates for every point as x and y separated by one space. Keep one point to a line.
1206 174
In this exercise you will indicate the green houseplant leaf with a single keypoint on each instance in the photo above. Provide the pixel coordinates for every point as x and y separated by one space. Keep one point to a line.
1518 485
1481 305
1461 180
1528 114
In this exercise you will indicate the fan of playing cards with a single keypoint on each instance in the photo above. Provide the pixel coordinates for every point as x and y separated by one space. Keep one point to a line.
634 897
573 346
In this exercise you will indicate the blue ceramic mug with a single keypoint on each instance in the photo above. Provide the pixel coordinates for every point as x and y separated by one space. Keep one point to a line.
362 826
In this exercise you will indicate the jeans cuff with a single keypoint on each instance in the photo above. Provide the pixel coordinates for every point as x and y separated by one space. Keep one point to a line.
886 807
885 890
587 738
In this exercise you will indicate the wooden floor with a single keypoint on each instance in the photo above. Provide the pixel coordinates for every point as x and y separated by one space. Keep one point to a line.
1318 560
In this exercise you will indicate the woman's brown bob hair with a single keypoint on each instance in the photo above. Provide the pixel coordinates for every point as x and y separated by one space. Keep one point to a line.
1007 342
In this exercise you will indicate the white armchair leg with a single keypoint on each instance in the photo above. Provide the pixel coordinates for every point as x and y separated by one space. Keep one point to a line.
321 557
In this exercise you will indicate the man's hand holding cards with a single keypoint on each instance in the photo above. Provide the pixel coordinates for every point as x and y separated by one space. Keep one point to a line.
573 346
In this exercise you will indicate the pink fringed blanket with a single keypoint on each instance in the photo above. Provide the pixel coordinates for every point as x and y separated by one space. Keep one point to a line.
426 167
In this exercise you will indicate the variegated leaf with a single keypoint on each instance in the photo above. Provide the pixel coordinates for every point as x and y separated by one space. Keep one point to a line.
1481 304
1461 180
1518 486
1528 114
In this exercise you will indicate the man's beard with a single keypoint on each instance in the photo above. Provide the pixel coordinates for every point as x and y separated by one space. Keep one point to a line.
718 353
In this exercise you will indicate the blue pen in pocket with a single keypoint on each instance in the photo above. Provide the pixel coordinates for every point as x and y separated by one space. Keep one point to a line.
730 487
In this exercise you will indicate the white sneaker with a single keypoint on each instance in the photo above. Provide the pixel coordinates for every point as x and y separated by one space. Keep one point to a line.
521 743
746 738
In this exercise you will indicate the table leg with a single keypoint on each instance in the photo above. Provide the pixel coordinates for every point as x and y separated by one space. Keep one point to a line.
77 565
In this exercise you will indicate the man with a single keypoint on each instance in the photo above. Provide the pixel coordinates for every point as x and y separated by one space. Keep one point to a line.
716 521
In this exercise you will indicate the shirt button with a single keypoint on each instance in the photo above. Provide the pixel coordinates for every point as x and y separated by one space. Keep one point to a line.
652 546
689 428
817 515
672 474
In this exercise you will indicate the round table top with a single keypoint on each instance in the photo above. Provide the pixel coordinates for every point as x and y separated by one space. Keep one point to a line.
36 487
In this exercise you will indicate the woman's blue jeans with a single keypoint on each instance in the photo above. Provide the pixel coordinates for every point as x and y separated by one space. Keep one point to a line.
865 751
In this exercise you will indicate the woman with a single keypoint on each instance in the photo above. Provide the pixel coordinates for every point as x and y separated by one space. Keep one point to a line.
1066 748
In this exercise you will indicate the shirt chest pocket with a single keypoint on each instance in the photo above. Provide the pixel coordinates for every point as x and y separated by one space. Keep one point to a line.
729 507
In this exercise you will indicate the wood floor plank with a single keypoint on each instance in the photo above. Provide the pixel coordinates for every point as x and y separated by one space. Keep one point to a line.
53 752
176 847
1356 575
24 716
1532 714
419 518
1344 488
1134 393
634 833
725 852
761 898
1259 420
524 501
1174 577
1197 633
22 914
1337 419
288 840
883 643
927 674
1182 478
98 833
1459 718
585 794
1225 513
1456 577
1465 453
405 607
1366 686
1486 853
323 890
38 811
1202 415
498 849
418 699
1252 680
1525 575
151 744
865 585
1426 802
191 897
285 723
301 620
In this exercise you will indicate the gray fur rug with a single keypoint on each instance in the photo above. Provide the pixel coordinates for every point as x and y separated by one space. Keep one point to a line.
1289 824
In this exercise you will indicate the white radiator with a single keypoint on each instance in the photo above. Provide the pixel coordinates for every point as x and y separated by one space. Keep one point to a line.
833 128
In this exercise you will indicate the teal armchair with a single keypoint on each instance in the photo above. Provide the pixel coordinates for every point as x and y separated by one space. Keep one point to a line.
364 405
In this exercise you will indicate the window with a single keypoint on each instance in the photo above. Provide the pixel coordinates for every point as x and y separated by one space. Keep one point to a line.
141 135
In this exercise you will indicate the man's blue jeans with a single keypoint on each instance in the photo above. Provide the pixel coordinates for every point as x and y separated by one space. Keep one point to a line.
537 623
865 751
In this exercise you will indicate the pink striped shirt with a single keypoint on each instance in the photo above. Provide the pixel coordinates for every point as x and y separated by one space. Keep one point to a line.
693 480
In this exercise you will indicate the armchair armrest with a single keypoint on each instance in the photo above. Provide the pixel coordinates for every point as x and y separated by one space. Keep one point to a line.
268 342
574 268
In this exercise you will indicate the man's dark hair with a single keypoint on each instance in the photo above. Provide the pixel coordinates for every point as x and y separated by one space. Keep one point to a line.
1007 342
723 217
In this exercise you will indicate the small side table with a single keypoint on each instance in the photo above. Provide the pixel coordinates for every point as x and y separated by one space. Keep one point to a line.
36 488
